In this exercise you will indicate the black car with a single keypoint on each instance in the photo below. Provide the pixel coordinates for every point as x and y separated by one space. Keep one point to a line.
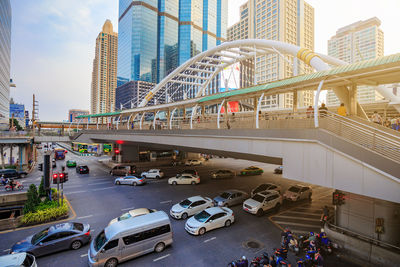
82 169
11 173
70 235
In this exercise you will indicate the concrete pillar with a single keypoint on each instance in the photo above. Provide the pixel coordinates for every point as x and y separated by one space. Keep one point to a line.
255 104
353 99
129 153
226 108
295 99
203 111
62 130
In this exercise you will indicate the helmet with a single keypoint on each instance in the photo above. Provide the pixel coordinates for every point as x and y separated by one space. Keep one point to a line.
243 257
322 230
311 233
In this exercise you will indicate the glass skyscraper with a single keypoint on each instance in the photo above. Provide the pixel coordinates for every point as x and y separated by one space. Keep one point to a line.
156 36
5 55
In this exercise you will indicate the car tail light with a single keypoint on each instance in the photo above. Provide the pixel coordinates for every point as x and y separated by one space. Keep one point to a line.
87 233
198 179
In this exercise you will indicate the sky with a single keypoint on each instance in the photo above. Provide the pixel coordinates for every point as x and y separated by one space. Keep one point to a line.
53 44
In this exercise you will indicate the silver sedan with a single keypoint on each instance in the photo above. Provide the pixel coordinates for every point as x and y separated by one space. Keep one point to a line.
230 198
130 180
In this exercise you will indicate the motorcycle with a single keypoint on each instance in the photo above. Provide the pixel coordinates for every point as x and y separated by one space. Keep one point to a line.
5 182
281 257
17 186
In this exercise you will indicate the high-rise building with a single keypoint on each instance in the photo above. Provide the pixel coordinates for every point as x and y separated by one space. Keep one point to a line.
73 113
290 21
131 93
5 60
156 36
104 75
356 42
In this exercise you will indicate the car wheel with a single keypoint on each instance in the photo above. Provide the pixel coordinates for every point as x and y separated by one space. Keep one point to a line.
76 245
259 213
184 216
174 183
111 262
193 183
228 223
157 177
22 175
202 231
134 184
118 182
277 207
159 247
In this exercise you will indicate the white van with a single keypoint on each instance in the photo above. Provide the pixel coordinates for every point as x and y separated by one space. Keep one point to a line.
127 239
18 259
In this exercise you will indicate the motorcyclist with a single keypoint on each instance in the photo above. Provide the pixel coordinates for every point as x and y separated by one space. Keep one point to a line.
323 238
272 261
3 180
265 259
318 260
243 262
284 236
12 184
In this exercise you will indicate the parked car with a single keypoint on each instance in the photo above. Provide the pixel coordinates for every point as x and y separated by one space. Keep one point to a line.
193 162
130 180
123 170
252 170
70 235
11 173
220 174
82 169
209 219
132 214
190 206
298 192
230 198
184 179
262 202
278 170
18 260
71 164
153 173
264 187
189 171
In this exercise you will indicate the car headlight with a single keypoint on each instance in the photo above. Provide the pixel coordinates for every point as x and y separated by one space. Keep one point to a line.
220 203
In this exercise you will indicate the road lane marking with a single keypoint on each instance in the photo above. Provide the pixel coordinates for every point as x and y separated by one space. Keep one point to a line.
76 192
38 179
162 257
128 209
104 188
84 217
164 202
99 183
208 240
83 255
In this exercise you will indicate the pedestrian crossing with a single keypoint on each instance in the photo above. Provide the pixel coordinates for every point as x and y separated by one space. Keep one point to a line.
304 217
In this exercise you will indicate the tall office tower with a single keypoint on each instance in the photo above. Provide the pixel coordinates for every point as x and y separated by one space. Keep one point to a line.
290 21
104 75
135 91
156 36
5 60
356 42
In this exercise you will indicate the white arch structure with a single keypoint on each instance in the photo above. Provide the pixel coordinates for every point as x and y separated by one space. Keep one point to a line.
199 71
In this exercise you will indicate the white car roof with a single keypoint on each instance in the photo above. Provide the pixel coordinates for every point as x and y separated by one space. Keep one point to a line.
140 211
15 259
268 193
154 170
196 198
215 210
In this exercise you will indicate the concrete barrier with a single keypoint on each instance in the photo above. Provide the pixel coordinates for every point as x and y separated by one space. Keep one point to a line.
13 199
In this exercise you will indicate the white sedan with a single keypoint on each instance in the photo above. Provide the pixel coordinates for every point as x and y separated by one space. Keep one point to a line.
153 173
185 178
190 206
130 180
131 214
209 219
193 162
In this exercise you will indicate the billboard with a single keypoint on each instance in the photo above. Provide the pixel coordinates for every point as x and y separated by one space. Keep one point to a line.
17 110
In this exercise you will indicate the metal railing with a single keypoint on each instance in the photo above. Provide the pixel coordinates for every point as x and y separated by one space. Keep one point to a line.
372 138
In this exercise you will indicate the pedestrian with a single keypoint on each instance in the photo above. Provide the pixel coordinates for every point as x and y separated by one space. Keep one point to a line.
342 110
394 123
233 117
325 214
376 118
228 124
310 112
323 110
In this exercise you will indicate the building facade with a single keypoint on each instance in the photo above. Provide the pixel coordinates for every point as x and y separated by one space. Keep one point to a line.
156 36
290 21
104 75
356 42
5 61
73 113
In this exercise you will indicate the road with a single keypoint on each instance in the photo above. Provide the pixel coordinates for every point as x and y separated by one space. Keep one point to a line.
96 200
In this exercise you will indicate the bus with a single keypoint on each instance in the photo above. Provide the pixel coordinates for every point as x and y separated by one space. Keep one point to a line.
90 148
59 153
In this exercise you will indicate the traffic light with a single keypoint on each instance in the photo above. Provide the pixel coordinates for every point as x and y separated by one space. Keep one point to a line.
335 197
338 198
341 199
40 167
117 152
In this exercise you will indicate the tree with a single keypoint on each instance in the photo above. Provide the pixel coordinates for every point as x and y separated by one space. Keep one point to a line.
16 124
42 192
33 199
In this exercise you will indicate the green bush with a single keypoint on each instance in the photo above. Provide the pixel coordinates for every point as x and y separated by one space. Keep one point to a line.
42 192
46 211
33 199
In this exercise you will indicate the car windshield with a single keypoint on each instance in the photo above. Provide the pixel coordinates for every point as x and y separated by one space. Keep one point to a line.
225 195
100 240
77 226
258 198
202 216
185 203
124 216
294 189
39 236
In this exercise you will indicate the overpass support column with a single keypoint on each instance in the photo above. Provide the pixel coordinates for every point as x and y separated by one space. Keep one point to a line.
353 99
129 153
62 130
295 99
